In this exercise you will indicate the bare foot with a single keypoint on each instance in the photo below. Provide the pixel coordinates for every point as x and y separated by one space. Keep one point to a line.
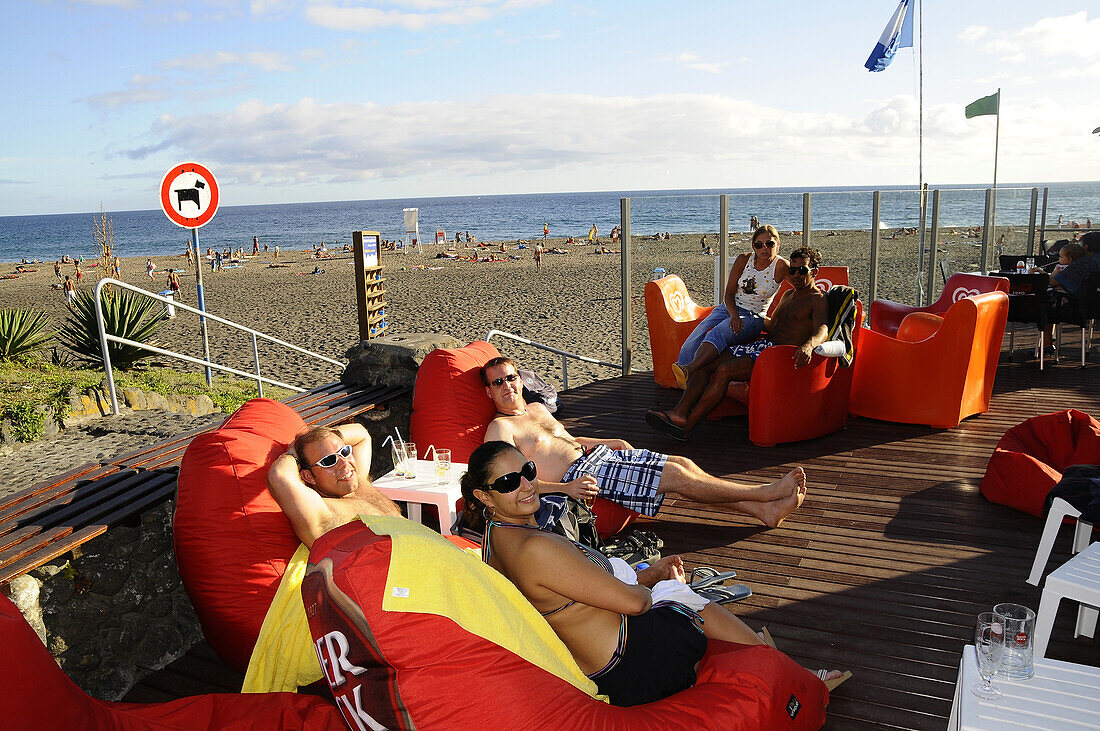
774 512
784 487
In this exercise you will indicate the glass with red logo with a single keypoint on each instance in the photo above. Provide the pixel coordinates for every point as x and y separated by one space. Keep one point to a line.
1019 628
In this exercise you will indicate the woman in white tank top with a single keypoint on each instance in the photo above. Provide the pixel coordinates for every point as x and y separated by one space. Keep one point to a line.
753 283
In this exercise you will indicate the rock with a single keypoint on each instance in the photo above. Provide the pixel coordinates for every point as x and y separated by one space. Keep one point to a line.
5 432
25 594
393 359
49 422
135 398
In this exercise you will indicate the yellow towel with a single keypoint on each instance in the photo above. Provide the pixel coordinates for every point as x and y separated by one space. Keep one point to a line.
428 575
284 657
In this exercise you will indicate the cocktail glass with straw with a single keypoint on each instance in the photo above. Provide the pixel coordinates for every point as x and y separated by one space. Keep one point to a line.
409 448
442 459
398 452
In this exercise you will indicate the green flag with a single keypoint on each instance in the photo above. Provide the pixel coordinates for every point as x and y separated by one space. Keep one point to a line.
986 105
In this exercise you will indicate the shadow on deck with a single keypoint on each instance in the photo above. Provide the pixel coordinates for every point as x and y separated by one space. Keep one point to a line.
881 571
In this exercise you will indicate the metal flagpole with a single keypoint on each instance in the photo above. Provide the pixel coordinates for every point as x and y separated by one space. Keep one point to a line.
996 144
920 151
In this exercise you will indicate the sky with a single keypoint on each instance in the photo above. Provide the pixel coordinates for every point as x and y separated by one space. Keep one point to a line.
357 99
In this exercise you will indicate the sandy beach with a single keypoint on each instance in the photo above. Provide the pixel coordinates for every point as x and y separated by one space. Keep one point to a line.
572 303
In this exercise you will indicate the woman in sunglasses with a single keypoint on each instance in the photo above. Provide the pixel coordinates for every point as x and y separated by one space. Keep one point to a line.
639 636
754 279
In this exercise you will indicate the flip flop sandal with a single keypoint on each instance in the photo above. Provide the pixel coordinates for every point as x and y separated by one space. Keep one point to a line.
660 421
679 375
725 594
704 576
832 684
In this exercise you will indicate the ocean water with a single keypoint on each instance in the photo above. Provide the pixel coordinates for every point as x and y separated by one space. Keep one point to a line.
509 217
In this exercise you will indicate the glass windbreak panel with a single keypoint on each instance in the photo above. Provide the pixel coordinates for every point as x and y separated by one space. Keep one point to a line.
840 228
671 235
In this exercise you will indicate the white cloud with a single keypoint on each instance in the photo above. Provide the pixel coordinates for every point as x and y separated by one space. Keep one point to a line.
973 33
694 61
537 137
140 89
412 15
209 61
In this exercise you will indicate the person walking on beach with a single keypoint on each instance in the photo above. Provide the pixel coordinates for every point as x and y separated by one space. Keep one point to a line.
255 245
174 284
593 235
57 270
150 267
323 481
638 479
190 257
538 256
70 293
276 252
545 230
79 272
116 268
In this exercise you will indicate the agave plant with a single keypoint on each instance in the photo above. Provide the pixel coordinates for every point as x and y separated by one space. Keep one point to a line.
125 315
22 332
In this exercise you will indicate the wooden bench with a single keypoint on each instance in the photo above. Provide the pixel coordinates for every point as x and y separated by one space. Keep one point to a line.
60 514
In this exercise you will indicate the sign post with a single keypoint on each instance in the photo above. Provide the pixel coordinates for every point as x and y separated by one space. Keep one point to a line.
189 197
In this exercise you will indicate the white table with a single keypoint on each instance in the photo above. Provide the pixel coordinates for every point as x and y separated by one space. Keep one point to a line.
1062 695
423 490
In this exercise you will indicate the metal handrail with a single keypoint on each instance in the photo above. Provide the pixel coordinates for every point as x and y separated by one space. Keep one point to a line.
563 353
257 376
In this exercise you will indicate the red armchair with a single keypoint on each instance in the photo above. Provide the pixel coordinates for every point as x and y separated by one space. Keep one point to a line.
886 316
821 388
936 371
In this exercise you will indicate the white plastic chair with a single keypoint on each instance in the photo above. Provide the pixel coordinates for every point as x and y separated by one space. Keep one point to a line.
1059 510
1079 580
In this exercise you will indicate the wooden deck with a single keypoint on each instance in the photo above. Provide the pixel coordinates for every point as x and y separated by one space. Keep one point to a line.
881 571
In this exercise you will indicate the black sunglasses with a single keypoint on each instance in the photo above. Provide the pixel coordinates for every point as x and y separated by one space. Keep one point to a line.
795 271
329 460
761 244
509 482
511 377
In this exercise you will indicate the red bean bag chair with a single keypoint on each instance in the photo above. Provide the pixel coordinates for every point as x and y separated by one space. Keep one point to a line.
231 538
413 670
451 411
1032 455
38 695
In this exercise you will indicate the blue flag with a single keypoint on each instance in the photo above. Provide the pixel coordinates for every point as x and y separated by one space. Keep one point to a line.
897 34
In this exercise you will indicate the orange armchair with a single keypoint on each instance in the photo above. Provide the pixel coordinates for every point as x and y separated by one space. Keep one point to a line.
937 371
886 316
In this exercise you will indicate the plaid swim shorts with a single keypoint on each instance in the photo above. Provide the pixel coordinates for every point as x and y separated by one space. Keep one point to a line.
629 477
752 350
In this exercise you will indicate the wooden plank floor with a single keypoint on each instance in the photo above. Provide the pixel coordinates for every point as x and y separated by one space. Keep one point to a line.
881 571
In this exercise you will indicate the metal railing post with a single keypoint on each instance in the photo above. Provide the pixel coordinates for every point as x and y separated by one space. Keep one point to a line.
624 260
723 247
104 352
806 218
876 210
564 373
1031 222
259 375
932 252
1043 220
985 230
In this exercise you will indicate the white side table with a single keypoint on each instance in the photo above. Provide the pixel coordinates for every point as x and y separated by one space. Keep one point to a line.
423 490
1062 695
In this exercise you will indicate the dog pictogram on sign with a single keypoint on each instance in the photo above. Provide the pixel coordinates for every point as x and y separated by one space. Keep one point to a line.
189 195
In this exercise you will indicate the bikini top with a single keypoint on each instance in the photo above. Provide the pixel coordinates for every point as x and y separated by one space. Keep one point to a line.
591 554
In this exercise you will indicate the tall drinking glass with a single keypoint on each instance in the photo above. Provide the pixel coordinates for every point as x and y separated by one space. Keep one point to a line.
989 642
442 458
410 460
1019 628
